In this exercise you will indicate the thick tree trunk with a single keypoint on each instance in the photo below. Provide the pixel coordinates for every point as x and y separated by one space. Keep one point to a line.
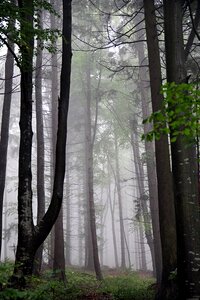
143 85
59 256
164 177
184 165
30 237
25 248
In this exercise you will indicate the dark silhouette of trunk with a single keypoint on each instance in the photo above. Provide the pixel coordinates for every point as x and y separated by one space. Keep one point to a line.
30 237
25 247
121 219
89 173
184 165
5 120
164 177
40 145
59 256
54 119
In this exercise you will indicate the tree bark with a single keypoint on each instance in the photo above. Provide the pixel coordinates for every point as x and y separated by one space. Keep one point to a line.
40 145
164 176
54 119
59 256
112 211
30 237
151 165
184 165
89 175
121 219
68 221
145 213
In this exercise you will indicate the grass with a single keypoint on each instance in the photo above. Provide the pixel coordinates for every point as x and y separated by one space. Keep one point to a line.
80 286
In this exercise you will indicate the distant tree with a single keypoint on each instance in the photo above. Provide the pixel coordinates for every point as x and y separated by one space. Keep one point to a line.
119 195
89 144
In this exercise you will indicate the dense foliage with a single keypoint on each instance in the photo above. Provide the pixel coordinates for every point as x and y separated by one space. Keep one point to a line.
180 112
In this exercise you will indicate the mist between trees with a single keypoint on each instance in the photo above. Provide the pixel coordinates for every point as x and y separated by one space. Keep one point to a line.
99 149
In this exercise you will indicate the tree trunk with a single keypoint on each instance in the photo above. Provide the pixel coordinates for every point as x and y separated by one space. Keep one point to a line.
184 165
89 176
30 237
142 249
151 168
89 260
68 221
59 256
112 211
145 213
25 247
5 120
80 229
164 177
40 145
121 219
54 118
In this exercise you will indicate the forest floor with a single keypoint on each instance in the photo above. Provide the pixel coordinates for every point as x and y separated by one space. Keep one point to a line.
81 285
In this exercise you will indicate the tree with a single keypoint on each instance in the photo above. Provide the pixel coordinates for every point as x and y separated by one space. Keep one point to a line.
40 144
9 69
150 152
121 219
184 163
89 172
30 237
164 176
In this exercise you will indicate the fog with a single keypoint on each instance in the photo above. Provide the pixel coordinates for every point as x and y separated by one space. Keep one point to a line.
104 103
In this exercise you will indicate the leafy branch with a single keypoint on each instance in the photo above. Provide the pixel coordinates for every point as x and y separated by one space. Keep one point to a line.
180 113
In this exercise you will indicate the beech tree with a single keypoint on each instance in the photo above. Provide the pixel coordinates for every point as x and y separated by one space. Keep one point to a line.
184 163
30 237
164 175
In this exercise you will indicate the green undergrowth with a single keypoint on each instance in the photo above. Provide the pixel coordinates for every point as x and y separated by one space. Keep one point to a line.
80 286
